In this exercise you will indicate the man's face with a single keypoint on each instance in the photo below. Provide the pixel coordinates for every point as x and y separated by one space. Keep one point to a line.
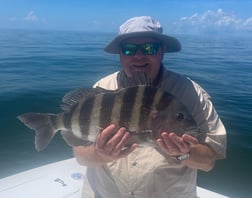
140 62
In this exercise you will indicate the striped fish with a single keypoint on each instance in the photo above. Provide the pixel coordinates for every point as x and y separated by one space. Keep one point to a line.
145 111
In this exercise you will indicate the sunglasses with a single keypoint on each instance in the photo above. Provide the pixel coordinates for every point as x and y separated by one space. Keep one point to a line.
146 48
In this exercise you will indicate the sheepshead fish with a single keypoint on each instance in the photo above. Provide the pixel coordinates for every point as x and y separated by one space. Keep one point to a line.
144 110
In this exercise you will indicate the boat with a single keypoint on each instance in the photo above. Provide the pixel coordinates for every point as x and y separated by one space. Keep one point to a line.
60 179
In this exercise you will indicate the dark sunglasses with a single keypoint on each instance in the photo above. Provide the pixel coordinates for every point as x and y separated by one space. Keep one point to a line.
146 48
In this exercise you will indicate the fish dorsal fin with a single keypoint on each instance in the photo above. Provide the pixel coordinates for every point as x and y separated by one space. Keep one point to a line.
75 96
137 78
141 78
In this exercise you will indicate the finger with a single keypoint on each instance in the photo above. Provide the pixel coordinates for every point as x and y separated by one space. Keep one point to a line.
123 140
104 135
168 145
128 150
161 144
190 139
116 143
180 143
168 141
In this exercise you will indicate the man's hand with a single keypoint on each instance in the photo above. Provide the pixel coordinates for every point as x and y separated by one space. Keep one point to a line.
110 143
202 156
174 145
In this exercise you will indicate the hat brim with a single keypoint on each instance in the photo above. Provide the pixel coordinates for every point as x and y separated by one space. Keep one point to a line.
171 43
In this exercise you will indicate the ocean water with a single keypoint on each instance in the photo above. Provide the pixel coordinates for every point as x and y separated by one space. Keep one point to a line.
38 67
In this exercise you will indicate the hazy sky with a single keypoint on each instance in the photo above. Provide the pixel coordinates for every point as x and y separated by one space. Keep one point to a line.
107 15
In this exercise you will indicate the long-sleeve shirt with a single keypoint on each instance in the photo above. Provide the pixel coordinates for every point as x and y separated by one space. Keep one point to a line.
147 173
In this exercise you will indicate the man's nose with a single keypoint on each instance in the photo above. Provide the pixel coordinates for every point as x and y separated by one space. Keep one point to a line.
139 53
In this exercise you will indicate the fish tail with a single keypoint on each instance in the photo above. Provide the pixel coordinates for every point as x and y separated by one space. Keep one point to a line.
43 125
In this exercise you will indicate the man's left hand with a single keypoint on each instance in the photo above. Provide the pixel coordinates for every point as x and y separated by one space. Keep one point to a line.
174 145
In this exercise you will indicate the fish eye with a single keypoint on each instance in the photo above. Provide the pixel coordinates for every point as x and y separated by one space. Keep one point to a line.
180 116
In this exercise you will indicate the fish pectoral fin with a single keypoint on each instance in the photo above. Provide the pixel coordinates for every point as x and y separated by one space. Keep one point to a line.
72 140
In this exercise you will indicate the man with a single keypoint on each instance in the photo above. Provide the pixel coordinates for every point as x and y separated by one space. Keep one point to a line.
171 169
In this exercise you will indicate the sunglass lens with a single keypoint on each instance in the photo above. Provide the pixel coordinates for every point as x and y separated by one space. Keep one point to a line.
146 49
149 48
129 49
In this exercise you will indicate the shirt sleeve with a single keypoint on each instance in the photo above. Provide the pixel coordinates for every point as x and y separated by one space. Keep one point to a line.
198 102
109 82
210 122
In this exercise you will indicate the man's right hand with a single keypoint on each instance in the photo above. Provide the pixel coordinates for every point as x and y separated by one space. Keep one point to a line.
111 143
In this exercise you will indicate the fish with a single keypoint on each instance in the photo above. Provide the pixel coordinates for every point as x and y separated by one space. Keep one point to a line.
144 110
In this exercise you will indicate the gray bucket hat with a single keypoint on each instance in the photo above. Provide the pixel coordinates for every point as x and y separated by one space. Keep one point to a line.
140 27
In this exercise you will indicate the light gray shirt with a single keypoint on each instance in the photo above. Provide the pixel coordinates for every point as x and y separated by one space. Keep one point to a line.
145 173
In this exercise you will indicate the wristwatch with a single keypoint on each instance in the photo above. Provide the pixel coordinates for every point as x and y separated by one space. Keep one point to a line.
183 156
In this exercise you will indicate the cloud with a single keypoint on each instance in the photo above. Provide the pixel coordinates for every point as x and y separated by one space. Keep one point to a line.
213 21
31 16
248 23
28 20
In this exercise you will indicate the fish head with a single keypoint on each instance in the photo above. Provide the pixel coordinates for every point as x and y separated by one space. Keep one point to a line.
172 116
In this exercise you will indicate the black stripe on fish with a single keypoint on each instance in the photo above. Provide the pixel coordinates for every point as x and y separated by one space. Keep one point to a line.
85 116
165 100
95 117
128 101
106 112
67 118
136 110
148 100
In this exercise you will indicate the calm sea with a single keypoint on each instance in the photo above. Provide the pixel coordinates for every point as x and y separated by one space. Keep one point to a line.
38 67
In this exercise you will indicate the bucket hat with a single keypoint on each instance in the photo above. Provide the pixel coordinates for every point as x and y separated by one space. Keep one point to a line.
142 26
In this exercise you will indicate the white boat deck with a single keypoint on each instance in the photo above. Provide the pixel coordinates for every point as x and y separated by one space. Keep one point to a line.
58 180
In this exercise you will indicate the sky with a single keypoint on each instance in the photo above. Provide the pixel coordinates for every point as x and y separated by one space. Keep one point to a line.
107 15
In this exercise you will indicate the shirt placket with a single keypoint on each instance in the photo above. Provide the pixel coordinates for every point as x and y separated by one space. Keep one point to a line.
133 174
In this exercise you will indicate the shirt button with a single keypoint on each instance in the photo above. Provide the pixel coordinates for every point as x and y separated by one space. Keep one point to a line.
131 193
134 163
